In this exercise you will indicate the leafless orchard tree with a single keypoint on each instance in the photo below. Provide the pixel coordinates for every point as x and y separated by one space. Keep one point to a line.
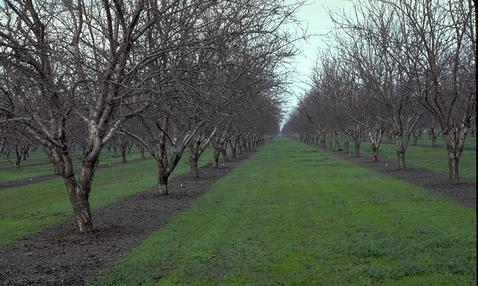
82 65
441 46
73 60
203 84
406 61
13 141
374 44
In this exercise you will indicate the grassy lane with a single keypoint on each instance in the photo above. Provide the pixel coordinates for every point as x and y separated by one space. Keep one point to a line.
37 165
470 142
435 159
29 208
294 215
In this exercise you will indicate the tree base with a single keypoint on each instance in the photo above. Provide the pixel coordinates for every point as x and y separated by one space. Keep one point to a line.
163 190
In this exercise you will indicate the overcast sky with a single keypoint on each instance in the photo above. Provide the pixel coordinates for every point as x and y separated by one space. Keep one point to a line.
315 16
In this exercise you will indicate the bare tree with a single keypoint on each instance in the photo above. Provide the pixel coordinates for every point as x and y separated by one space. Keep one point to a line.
442 50
73 60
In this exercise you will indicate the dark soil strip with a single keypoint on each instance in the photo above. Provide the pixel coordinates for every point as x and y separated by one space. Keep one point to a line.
44 161
13 167
26 181
36 179
464 193
60 256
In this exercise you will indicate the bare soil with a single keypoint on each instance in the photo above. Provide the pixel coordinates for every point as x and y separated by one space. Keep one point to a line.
463 193
58 255
37 179
26 181
12 166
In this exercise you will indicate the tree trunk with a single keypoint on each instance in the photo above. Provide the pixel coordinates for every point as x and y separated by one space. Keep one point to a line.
336 139
376 136
244 146
322 142
357 147
57 170
400 147
433 135
162 176
215 157
455 143
25 154
233 148
141 151
401 160
162 163
224 152
163 185
79 191
375 152
415 140
193 159
18 157
194 168
453 168
56 167
79 199
123 154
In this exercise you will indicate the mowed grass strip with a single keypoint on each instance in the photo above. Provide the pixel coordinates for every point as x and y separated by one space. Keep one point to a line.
38 165
434 159
27 209
294 215
425 140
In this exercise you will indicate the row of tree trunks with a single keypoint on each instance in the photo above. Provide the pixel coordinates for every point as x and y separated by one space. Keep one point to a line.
334 141
454 142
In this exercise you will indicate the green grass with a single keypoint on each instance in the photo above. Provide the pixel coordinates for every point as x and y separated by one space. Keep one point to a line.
425 140
29 208
294 215
435 159
37 165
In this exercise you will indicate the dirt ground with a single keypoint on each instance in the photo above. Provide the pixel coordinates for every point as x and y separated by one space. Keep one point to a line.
37 179
58 255
26 181
464 193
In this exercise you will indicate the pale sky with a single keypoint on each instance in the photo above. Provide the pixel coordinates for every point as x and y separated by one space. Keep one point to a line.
315 16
